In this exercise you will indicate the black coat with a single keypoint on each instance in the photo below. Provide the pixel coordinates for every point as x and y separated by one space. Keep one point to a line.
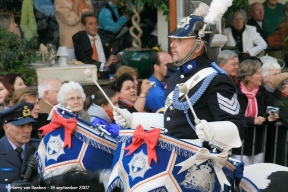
263 100
83 48
254 23
41 121
207 107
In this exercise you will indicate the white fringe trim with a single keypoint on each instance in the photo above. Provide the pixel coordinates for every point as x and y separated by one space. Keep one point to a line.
162 144
94 143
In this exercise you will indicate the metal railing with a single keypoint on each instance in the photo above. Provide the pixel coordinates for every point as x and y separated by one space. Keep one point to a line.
264 143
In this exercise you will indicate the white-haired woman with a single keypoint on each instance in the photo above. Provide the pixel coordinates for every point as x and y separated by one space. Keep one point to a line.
270 69
72 95
244 37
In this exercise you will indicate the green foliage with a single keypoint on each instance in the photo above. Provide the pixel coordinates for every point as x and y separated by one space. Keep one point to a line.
16 56
157 4
236 6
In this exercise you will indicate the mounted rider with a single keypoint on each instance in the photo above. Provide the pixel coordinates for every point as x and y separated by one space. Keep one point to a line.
210 90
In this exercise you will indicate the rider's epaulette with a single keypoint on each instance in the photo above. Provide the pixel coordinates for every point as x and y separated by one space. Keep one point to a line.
218 69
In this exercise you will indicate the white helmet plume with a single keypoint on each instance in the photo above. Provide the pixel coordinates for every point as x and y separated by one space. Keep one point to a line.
216 10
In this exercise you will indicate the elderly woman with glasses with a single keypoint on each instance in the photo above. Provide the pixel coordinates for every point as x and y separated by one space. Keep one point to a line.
253 99
270 69
72 95
244 37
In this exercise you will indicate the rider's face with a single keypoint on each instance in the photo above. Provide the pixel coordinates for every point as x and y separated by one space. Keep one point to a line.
181 47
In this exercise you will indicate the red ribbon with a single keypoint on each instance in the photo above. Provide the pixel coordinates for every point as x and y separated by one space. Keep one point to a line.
59 121
150 138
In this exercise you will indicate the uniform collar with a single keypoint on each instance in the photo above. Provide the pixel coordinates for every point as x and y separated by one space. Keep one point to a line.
193 64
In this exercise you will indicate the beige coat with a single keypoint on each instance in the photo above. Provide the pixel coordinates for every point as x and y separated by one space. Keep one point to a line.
45 107
69 22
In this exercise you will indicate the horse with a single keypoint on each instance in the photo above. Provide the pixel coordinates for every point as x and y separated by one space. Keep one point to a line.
268 177
153 161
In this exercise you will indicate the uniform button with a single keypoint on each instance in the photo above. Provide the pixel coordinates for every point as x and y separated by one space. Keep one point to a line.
22 175
182 76
171 108
168 118
189 66
6 179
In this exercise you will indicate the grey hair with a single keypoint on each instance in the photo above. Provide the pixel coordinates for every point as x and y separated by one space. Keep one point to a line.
280 87
247 68
225 55
232 16
5 20
67 88
45 85
266 67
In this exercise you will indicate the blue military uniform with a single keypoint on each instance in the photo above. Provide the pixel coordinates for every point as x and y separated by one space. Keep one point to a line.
214 95
11 168
207 107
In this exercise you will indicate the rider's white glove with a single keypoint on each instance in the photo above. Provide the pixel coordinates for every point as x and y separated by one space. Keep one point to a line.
223 133
122 117
204 131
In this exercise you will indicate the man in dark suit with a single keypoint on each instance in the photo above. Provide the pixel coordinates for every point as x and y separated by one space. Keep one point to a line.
257 16
92 47
16 146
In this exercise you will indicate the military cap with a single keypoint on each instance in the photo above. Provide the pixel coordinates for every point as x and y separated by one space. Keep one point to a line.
18 115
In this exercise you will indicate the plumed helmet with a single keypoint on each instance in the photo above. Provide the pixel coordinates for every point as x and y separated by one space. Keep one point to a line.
192 27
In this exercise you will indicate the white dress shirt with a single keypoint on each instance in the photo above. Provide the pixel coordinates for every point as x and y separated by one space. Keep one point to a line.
100 51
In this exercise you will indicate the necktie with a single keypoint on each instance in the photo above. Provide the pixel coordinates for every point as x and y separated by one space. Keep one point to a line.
19 151
95 54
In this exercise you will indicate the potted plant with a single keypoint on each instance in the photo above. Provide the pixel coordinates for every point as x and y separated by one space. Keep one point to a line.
137 56
16 56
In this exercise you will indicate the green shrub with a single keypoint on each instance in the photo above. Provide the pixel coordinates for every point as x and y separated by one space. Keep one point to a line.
16 56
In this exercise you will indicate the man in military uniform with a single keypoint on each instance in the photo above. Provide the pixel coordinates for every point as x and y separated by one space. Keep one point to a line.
210 90
16 146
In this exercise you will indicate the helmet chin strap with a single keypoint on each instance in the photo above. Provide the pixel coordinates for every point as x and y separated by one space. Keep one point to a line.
188 56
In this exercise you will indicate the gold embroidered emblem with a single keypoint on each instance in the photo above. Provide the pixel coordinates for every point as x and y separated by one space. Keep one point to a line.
26 111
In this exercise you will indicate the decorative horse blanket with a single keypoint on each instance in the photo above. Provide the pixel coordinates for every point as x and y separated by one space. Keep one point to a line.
150 161
70 143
